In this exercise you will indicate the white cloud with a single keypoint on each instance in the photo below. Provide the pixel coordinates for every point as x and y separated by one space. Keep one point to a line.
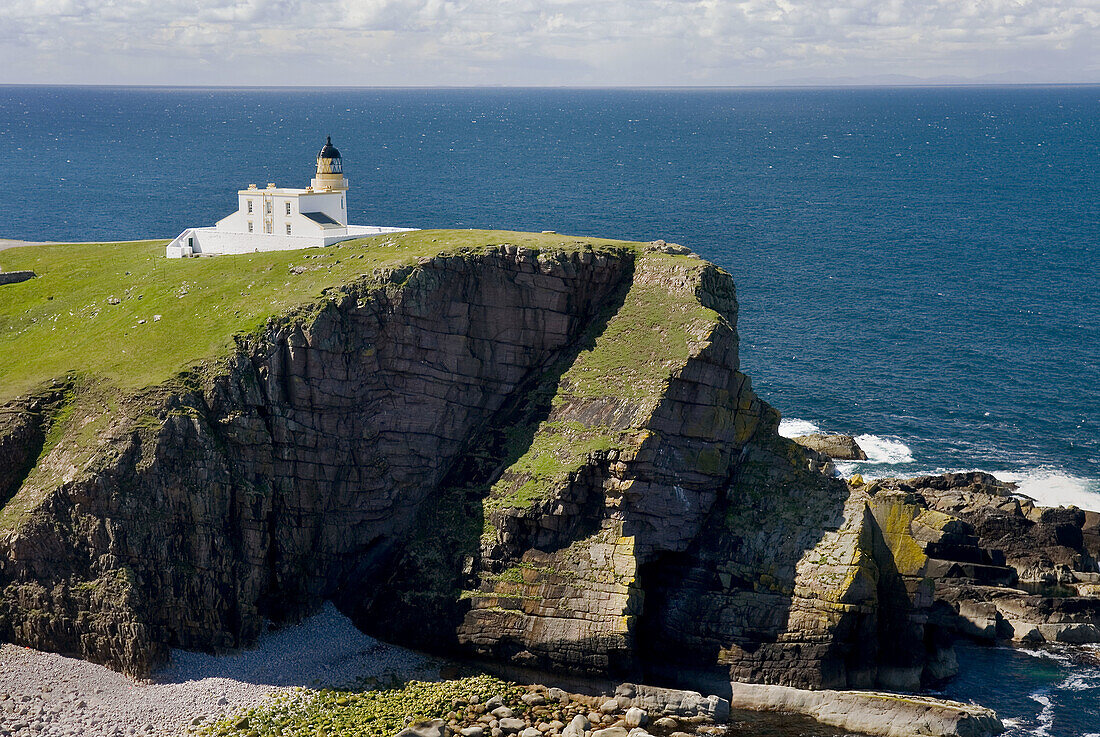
540 42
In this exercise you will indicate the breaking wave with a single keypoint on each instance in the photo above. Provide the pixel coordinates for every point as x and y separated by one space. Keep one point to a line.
793 427
1054 488
884 449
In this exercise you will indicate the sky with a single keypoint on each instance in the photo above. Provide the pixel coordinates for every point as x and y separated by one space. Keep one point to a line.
547 42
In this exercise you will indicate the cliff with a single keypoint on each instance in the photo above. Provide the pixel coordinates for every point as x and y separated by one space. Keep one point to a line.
517 447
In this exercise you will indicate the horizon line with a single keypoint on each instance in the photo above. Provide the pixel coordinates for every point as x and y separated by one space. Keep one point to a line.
773 86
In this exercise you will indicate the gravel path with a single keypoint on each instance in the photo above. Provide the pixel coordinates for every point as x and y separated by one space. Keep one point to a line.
48 694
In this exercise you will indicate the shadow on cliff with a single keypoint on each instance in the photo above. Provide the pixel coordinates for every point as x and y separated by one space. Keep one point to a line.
727 608
422 597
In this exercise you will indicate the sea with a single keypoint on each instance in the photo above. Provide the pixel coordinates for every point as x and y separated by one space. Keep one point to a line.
917 267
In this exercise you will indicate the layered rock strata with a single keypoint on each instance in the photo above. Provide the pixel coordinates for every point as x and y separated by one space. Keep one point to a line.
1001 567
885 714
549 459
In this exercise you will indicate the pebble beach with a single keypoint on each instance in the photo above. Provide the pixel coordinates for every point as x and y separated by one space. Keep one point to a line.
49 694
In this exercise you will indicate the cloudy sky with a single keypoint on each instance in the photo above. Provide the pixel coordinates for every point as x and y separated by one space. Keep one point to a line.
545 42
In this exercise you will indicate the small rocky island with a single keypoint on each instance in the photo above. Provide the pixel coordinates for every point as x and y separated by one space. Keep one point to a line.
527 452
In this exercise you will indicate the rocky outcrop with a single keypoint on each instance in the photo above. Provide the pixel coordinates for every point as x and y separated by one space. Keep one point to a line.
836 447
282 476
886 714
999 566
550 459
686 542
14 277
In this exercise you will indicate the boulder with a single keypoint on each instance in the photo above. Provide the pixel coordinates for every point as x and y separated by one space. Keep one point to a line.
837 447
511 724
434 728
873 713
635 717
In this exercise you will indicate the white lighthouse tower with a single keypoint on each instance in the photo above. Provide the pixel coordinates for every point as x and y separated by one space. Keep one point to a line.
280 218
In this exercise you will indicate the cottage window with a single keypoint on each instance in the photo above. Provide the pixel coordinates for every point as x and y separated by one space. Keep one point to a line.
250 222
267 206
249 207
288 226
288 210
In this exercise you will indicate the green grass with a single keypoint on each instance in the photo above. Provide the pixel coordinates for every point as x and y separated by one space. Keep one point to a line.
658 327
361 713
175 314
557 450
63 322
651 334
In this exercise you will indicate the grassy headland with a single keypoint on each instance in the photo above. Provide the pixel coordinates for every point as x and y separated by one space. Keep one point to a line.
123 313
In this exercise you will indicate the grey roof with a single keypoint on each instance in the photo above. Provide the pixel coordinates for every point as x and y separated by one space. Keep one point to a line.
328 151
321 218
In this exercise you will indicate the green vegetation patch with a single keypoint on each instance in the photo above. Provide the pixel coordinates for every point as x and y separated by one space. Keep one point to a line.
627 358
363 713
655 331
127 314
83 419
557 450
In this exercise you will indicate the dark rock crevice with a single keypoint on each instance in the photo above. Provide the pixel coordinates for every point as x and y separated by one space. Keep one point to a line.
24 428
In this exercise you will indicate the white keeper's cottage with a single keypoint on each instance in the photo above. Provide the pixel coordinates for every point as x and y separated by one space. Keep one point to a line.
281 218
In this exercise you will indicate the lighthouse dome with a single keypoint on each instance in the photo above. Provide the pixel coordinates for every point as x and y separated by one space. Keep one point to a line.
328 151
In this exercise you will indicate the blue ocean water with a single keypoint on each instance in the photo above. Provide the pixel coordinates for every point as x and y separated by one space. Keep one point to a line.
915 266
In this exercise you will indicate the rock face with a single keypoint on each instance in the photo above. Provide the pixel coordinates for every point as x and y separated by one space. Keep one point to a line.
885 714
837 447
14 277
545 458
999 567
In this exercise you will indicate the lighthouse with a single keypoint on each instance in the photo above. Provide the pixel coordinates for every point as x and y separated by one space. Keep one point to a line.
330 169
282 218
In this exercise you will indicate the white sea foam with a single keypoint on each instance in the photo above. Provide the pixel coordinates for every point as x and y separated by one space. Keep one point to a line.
792 427
1046 654
884 449
1044 717
1086 681
1055 488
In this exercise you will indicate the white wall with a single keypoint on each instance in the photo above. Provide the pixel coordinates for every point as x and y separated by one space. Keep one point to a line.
333 204
210 241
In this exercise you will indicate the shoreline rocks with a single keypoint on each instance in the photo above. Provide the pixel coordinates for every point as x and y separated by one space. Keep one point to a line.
872 713
1000 567
835 446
